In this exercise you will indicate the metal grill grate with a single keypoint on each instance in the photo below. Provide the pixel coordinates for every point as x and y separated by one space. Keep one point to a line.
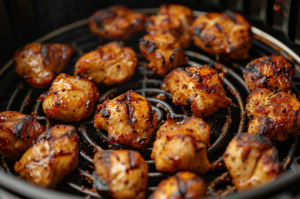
224 124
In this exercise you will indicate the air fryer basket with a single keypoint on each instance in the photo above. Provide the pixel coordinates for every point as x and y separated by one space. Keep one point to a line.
19 96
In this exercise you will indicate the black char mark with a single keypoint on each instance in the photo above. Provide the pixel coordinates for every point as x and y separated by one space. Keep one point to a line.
253 69
231 16
129 108
197 31
104 14
21 125
101 185
172 57
137 21
219 27
131 160
105 112
181 186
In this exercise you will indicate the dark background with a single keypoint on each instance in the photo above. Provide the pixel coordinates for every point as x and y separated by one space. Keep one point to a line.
23 21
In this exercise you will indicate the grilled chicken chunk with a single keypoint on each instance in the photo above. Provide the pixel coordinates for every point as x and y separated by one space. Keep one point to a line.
174 18
53 155
200 87
17 131
223 33
163 51
251 160
120 174
39 63
273 72
70 98
128 118
182 146
110 64
182 185
116 23
274 115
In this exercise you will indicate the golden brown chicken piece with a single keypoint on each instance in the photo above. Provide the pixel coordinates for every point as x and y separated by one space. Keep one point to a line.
223 33
120 174
200 87
182 146
17 131
173 18
39 63
110 64
128 118
53 155
274 115
163 51
251 160
182 185
70 98
273 72
116 23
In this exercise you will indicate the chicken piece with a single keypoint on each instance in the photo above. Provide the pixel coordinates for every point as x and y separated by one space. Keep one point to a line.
274 115
120 174
70 99
223 33
173 18
163 51
53 156
182 185
17 131
128 118
200 87
39 63
182 146
116 23
110 64
251 161
273 72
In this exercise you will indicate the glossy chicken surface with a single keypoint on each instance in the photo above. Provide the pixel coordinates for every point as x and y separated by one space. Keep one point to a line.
173 18
251 161
53 155
128 118
70 99
274 115
223 33
120 174
181 146
200 87
110 64
163 51
273 72
182 185
17 131
116 23
39 63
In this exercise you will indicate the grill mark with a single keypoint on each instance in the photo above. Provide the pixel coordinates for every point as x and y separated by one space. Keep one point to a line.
197 30
107 13
177 49
44 50
163 61
144 42
105 112
101 185
219 27
253 69
20 125
150 111
181 186
131 160
172 57
129 108
231 16
150 47
134 24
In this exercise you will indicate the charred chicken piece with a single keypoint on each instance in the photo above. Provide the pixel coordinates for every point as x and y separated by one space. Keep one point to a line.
182 146
70 98
274 115
251 160
223 33
200 87
53 155
173 18
39 63
163 51
116 23
17 131
273 72
120 174
110 64
182 185
128 118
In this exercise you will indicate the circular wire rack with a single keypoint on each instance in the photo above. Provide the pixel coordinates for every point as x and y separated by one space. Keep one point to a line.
19 96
